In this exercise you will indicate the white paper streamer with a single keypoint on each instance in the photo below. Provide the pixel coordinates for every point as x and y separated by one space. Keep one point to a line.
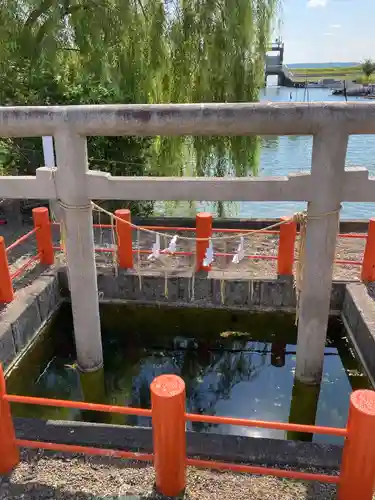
172 246
240 252
209 256
155 249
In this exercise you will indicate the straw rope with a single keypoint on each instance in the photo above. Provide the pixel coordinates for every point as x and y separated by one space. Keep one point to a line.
296 217
188 238
300 218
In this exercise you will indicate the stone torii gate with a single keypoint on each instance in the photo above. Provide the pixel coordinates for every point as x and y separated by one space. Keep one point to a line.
74 186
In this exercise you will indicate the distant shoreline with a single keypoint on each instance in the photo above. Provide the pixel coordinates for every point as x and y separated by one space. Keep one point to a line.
323 65
336 72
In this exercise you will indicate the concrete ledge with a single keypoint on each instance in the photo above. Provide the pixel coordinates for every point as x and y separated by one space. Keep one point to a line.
346 226
358 315
203 445
24 318
252 295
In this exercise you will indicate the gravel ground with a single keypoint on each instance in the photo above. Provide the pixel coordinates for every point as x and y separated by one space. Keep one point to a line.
46 476
256 244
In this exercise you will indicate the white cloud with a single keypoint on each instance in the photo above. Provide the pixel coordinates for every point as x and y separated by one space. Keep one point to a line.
335 26
328 34
316 3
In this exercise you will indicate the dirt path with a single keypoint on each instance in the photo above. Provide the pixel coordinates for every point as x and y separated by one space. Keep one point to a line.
63 477
256 244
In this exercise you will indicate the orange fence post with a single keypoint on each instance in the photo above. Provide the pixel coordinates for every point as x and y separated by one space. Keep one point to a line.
125 239
43 235
357 476
368 265
203 230
6 288
168 429
285 258
9 452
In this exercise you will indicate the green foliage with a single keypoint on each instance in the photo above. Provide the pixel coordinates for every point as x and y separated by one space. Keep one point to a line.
364 80
368 67
137 51
6 156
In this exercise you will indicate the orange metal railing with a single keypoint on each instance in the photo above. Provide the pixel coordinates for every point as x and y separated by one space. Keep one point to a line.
285 257
281 426
45 252
356 478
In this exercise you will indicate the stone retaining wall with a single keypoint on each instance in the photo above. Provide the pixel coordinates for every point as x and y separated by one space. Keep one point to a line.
22 321
358 314
25 317
252 295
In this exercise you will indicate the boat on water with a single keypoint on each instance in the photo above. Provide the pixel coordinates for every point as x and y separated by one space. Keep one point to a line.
324 83
358 90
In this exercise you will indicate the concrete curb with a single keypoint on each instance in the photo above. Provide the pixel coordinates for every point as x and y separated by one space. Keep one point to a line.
203 445
346 226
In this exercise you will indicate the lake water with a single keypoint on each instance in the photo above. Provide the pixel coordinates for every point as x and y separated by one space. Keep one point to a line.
233 364
284 154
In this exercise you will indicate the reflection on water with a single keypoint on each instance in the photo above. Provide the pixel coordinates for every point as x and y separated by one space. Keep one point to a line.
239 365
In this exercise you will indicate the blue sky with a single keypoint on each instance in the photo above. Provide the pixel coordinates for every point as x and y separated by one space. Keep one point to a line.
328 30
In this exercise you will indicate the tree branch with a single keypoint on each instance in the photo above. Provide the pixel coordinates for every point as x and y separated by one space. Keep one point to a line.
35 14
142 8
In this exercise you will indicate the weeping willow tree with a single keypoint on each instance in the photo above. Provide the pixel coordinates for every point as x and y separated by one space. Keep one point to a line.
142 51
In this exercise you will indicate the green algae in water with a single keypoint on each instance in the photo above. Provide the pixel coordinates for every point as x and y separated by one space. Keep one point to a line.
234 364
